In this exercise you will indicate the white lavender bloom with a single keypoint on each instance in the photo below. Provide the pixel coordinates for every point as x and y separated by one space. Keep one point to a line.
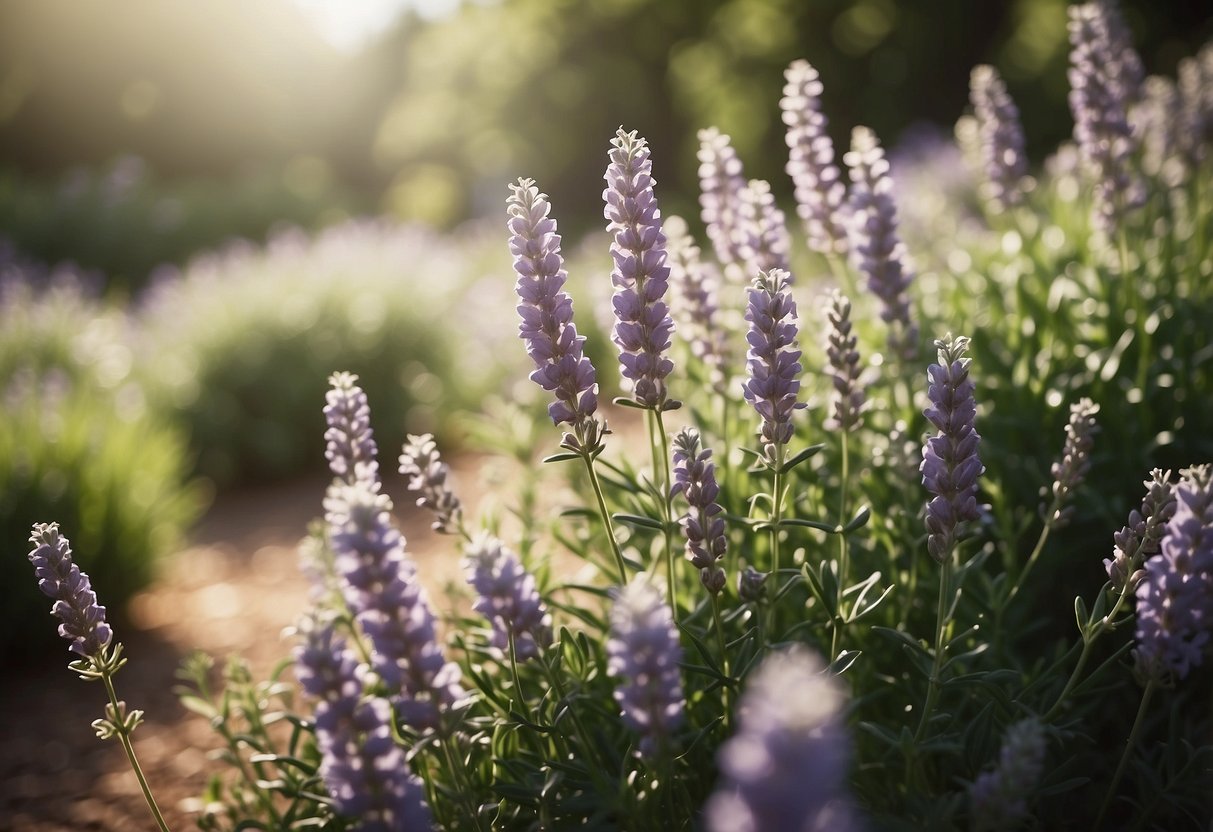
998 798
83 619
643 652
702 525
349 441
364 770
696 285
641 277
427 473
762 234
785 768
1142 535
1070 471
848 399
507 597
1002 144
381 588
876 247
820 191
721 180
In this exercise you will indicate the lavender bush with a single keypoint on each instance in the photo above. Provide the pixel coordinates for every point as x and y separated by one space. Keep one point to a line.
894 651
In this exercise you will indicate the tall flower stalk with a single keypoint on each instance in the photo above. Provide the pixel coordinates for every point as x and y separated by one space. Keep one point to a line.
721 181
763 238
696 301
427 473
1002 144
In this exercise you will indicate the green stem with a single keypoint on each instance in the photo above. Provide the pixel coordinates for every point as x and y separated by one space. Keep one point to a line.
606 518
724 659
597 767
776 518
1036 550
667 514
124 738
941 612
1088 640
463 784
843 551
1129 745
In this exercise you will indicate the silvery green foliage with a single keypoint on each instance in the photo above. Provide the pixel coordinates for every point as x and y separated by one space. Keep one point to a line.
786 766
847 399
1070 471
721 180
773 360
391 607
507 596
877 252
349 442
702 525
1175 598
762 236
546 310
950 464
1140 538
641 277
83 619
644 653
998 798
696 285
1001 136
820 190
364 770
1100 94
427 473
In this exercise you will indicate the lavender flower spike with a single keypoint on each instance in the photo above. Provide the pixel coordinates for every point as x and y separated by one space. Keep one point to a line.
83 619
1141 537
820 191
1002 142
876 247
1069 471
507 596
695 479
1175 599
696 287
380 585
998 798
364 770
643 650
641 276
547 311
427 473
349 442
950 465
773 359
785 768
848 399
762 238
721 181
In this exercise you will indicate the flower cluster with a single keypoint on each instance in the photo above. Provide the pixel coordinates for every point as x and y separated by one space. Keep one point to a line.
785 768
1175 598
1141 536
507 596
820 191
848 399
83 619
762 238
643 652
349 442
721 180
640 276
950 465
1069 471
773 359
997 799
696 289
702 525
427 473
1002 144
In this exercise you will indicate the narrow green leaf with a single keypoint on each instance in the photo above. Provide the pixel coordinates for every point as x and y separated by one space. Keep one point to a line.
638 520
561 457
859 520
828 528
807 453
623 401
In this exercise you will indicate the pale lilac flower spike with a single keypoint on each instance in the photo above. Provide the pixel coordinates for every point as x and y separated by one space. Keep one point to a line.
1141 537
696 285
1175 599
820 190
950 465
83 619
998 798
1002 142
546 310
643 652
1070 471
721 181
507 596
427 473
848 398
349 442
763 240
785 768
773 359
702 525
641 277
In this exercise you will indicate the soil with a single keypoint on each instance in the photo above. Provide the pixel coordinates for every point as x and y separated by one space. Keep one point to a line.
233 590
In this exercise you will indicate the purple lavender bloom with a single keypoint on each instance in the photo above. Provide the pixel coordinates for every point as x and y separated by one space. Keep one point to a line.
1130 73
1195 82
773 359
1070 471
998 798
381 588
1099 101
1175 599
547 311
950 465
785 768
762 235
1001 136
1157 120
721 180
644 652
363 769
696 288
641 276
752 585
876 247
349 442
848 399
820 191
507 597
427 473
83 619
702 525
1141 537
